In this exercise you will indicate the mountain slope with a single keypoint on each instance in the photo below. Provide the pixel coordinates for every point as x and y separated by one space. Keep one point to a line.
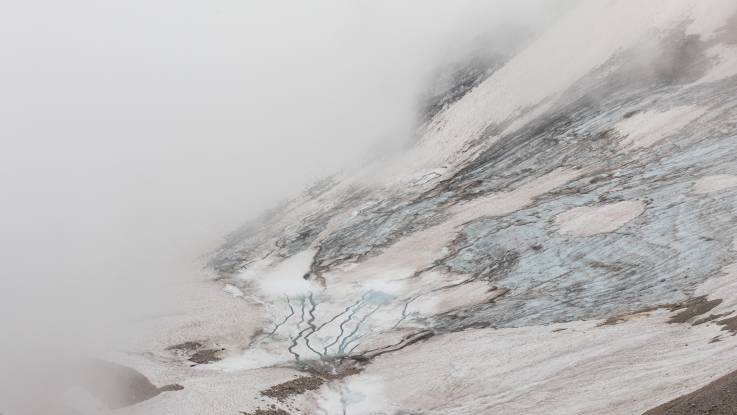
558 241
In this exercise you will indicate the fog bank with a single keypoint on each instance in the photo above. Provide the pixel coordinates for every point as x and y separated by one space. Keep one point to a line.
136 134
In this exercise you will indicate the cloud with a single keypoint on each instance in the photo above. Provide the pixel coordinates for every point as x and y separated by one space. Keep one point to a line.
135 134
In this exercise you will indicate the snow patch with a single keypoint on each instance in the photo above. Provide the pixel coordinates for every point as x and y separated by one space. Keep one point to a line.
284 278
714 183
592 220
648 128
454 298
233 290
252 358
529 369
499 204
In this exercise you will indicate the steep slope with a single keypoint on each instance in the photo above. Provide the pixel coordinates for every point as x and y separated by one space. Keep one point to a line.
558 241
